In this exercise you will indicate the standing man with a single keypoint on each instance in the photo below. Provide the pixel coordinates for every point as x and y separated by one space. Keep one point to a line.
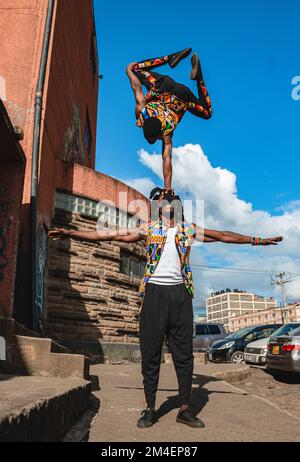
162 108
167 291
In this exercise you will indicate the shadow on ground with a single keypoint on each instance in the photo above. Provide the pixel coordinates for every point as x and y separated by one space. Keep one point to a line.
80 432
284 377
199 396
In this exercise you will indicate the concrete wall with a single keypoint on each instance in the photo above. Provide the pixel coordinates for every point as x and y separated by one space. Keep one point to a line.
83 181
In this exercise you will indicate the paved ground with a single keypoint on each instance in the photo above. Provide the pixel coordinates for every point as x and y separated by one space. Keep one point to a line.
229 413
282 390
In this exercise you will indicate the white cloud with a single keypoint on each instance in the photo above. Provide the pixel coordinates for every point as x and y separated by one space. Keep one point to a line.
195 177
143 185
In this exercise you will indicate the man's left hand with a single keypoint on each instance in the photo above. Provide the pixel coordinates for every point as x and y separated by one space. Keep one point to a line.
272 240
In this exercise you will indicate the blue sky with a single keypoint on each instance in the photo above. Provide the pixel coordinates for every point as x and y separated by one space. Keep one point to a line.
250 53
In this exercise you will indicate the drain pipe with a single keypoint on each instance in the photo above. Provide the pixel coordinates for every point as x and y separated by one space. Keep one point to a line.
35 159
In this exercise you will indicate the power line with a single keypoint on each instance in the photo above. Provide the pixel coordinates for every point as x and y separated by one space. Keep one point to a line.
237 270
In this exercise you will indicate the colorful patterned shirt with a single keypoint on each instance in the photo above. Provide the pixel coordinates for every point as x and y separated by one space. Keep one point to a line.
156 235
166 107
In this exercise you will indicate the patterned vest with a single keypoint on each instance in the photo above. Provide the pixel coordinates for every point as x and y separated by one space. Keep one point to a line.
166 107
155 240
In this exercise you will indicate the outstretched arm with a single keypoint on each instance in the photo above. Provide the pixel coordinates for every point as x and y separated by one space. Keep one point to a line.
119 235
137 89
228 237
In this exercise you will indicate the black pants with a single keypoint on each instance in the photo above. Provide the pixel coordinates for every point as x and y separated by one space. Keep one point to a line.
200 107
167 310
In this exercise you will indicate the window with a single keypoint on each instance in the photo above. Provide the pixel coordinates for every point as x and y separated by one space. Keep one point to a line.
201 329
132 265
88 136
106 214
214 329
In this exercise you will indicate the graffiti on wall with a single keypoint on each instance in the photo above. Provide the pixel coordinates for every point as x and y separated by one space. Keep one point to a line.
6 206
73 147
40 276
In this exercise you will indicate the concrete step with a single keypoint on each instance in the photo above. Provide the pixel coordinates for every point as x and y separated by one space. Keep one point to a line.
68 365
43 357
38 409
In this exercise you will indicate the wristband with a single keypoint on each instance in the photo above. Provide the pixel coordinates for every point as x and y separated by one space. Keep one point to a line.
257 241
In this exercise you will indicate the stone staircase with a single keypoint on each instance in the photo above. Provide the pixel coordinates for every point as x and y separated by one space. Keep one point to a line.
29 354
44 388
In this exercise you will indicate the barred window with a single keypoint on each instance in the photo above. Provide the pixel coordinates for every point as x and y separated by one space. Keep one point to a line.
132 265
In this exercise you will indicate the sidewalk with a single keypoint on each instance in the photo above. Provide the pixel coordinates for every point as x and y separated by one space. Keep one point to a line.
228 413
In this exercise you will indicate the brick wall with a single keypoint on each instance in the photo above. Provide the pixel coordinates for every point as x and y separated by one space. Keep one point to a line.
87 298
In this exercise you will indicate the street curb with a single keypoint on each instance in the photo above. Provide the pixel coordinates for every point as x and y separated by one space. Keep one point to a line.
232 376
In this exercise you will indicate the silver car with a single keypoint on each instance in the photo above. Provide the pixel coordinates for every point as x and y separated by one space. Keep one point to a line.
256 352
284 351
207 333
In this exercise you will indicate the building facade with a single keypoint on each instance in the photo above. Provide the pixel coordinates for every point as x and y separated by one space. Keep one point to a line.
12 170
222 306
268 316
69 191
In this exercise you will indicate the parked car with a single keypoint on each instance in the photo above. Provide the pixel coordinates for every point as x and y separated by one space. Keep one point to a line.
284 349
231 348
205 334
256 352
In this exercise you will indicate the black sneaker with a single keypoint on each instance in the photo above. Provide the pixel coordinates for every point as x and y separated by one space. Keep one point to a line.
187 418
196 72
147 419
175 58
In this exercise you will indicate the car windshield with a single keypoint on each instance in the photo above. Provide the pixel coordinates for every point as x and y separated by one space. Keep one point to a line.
285 329
295 332
240 333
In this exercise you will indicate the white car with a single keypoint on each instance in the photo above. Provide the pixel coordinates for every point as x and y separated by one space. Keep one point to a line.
256 352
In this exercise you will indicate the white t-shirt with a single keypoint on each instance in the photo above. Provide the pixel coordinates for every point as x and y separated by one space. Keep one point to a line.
168 270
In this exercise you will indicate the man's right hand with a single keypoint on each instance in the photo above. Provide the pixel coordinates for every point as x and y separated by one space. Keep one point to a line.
59 233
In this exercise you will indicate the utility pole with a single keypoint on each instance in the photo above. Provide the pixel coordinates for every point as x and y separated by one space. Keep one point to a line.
280 281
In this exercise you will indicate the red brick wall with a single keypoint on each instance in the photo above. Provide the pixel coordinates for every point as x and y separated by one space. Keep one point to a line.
71 93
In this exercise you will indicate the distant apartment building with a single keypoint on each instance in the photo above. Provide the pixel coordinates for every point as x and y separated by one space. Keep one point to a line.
224 305
268 316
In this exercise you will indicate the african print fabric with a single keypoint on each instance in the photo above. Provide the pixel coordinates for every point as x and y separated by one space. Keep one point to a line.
156 235
168 108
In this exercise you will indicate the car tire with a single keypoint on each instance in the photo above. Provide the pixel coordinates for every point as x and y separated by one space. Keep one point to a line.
237 357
